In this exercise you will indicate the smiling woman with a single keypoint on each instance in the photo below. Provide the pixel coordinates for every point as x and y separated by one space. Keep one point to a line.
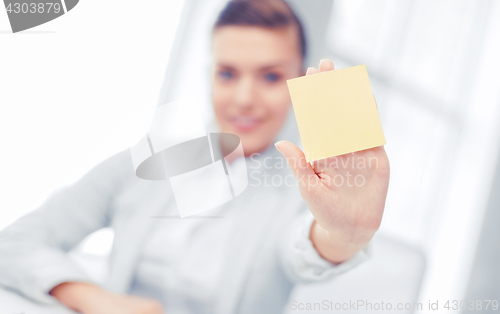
270 237
256 47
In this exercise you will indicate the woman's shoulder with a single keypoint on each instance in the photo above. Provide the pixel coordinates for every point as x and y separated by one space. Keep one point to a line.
115 169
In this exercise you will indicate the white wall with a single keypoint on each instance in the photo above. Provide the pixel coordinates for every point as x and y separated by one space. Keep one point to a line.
435 71
76 90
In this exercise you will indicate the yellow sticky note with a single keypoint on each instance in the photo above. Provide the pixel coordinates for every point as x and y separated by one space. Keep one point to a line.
336 112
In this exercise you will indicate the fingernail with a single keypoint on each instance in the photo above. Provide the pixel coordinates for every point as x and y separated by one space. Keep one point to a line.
309 69
277 145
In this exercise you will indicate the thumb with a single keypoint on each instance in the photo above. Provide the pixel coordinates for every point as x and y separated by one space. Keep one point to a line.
302 170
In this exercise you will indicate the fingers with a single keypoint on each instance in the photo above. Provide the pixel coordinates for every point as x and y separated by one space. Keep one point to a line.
311 70
326 65
296 159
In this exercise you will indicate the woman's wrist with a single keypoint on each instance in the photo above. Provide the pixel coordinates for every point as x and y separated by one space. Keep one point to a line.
333 247
75 294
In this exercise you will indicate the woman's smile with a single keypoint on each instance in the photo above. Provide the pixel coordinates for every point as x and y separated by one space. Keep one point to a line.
245 123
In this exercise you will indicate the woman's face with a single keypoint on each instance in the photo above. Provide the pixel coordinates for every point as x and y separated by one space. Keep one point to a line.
249 73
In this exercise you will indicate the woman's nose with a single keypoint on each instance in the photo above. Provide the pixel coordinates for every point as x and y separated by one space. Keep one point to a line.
245 93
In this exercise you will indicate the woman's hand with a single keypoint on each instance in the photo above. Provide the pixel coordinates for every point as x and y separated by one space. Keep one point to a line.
348 212
90 299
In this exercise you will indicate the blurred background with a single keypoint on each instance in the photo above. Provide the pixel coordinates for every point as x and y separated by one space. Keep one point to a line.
80 88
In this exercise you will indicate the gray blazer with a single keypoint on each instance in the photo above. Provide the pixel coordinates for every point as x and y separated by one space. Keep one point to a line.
269 253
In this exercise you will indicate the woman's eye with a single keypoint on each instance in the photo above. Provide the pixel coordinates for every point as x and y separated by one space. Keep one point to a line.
225 75
272 77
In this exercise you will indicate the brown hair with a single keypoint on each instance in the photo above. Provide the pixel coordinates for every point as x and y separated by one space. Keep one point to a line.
265 13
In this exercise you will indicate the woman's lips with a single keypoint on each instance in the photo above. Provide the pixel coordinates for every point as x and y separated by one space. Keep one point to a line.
245 124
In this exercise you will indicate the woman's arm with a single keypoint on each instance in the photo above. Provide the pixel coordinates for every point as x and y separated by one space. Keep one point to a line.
334 248
34 248
91 299
302 262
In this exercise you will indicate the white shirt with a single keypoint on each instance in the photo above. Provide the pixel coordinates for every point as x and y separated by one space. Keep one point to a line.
181 263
